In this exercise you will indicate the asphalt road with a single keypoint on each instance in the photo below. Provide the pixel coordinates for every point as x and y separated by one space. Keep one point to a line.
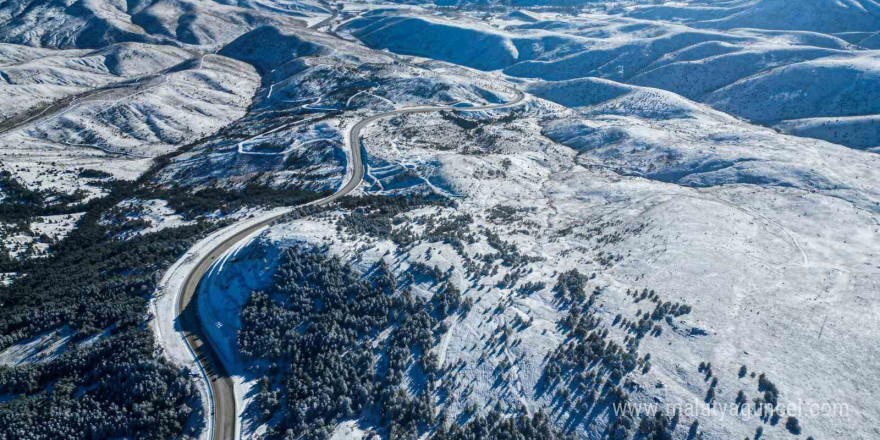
224 413
112 92
329 19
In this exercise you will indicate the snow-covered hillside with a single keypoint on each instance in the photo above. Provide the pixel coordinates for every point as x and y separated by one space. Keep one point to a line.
769 253
97 23
826 16
676 212
730 68
641 186
312 87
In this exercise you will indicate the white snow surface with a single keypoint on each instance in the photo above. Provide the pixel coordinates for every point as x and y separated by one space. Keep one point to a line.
766 76
38 349
155 212
725 152
118 129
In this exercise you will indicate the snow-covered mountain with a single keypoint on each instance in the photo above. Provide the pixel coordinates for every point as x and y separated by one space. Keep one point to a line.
573 216
749 73
821 16
97 23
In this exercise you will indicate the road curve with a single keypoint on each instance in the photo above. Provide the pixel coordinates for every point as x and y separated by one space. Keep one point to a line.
329 19
222 425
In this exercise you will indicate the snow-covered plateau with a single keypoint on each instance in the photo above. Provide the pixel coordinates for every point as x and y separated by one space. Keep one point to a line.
605 220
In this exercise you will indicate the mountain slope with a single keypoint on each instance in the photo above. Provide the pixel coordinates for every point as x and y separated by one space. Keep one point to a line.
731 70
826 16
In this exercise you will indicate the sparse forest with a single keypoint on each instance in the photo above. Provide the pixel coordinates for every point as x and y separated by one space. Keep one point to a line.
109 381
314 327
116 386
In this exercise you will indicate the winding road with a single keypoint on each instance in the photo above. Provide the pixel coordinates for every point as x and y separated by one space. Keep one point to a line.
222 412
222 425
329 19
